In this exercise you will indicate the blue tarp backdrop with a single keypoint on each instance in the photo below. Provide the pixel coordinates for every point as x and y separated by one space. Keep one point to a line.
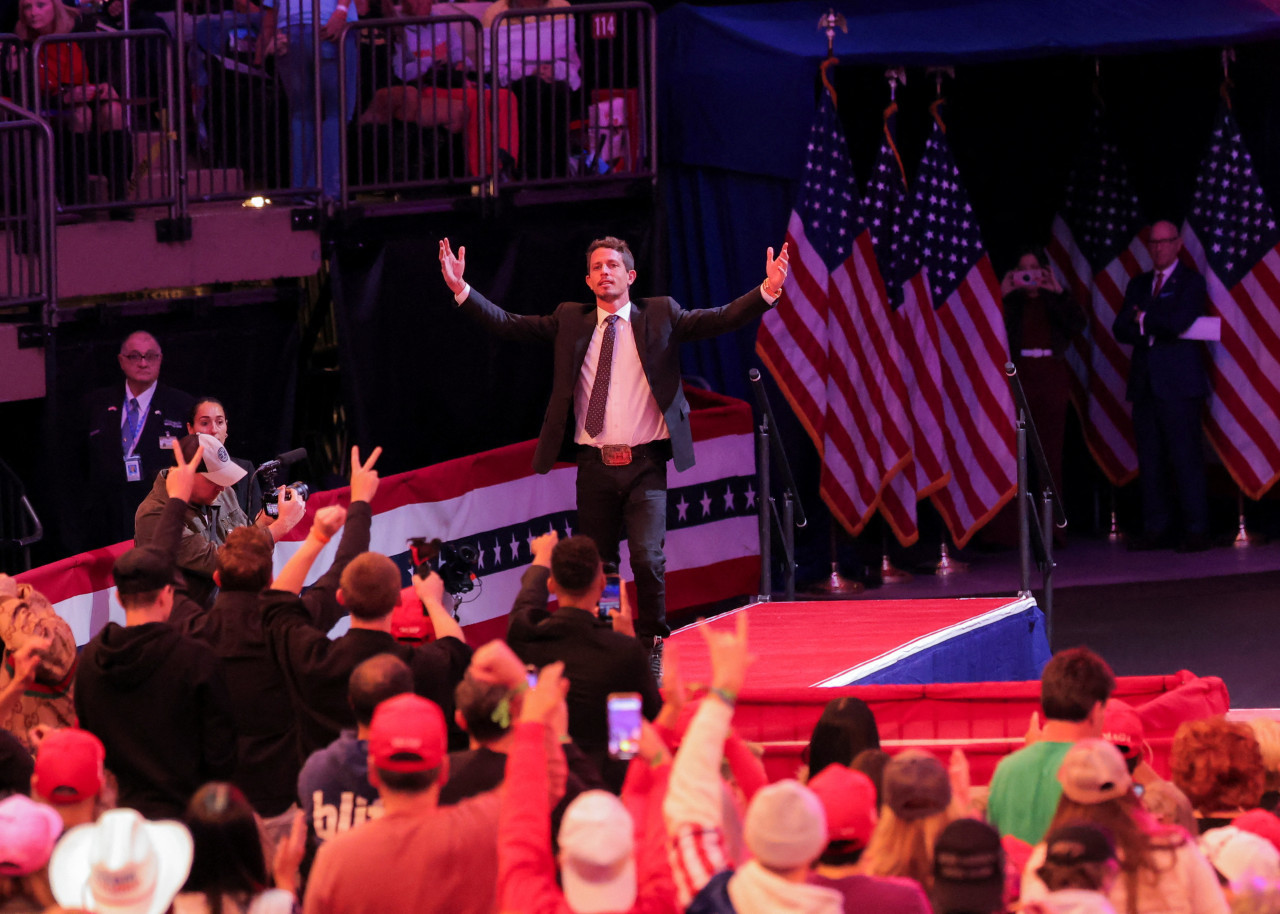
734 81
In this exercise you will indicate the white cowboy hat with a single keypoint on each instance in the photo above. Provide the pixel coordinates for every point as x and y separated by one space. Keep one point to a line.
121 864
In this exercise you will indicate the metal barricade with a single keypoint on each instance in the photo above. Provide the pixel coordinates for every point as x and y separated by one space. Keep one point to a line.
109 98
581 81
13 72
420 107
236 141
27 251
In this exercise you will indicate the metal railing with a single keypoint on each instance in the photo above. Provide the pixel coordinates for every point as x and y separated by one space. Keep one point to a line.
584 84
109 98
419 108
443 108
28 275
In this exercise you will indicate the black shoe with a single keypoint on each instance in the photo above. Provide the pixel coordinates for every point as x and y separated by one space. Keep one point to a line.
1146 542
655 661
1194 542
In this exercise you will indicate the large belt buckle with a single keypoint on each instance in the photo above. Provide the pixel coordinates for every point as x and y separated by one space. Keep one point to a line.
615 455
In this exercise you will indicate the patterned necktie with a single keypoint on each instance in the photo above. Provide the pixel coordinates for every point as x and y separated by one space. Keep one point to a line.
600 389
1157 286
132 424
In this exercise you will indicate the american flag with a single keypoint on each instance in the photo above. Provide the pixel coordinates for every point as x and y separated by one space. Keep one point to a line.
916 331
972 344
1096 246
1233 238
829 342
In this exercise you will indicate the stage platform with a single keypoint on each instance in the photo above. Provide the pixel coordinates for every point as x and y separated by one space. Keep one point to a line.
882 642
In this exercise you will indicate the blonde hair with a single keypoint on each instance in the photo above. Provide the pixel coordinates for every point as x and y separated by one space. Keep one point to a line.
901 848
64 20
1268 733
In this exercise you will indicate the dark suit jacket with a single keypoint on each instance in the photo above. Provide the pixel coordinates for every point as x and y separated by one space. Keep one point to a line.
660 325
111 498
1164 366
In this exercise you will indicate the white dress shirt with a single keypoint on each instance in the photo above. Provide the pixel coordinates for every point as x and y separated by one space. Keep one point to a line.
631 414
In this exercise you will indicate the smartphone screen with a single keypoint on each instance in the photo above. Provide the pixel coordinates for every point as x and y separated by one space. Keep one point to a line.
611 599
624 724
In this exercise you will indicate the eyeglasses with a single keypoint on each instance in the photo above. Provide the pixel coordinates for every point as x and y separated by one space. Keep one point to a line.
136 357
1162 240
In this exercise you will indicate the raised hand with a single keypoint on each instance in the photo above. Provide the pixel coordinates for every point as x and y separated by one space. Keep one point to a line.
542 547
364 478
775 268
543 701
730 657
181 479
453 267
329 521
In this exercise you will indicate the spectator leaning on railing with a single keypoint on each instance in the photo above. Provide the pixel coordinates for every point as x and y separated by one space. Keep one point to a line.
296 64
84 109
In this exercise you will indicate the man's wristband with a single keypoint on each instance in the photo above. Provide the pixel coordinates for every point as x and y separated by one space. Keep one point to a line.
724 695
321 537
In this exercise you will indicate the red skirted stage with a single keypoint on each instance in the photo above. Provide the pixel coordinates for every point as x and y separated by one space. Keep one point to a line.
843 642
936 674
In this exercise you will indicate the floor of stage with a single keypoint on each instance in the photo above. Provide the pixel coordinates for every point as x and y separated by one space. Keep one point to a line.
1146 612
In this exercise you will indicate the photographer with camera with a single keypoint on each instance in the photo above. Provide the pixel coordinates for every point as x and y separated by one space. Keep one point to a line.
212 513
266 726
1040 319
317 669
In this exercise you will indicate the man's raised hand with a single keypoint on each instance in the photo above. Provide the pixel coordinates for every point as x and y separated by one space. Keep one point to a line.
181 479
364 478
775 268
542 547
730 657
328 521
453 267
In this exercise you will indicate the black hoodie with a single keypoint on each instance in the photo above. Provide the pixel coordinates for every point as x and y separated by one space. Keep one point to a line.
157 700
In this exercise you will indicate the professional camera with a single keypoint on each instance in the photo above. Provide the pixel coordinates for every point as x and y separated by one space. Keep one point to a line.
267 478
271 498
454 563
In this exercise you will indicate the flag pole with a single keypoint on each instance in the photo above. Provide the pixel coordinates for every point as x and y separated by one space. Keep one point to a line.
836 584
1244 539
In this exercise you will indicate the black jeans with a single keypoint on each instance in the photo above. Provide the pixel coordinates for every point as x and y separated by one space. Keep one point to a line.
630 499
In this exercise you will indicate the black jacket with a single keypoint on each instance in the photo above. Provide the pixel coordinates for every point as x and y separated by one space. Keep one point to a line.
1164 365
660 325
111 500
158 702
317 669
265 721
597 661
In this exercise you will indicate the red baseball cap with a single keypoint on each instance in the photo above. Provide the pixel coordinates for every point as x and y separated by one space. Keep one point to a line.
1122 727
69 766
849 799
407 734
1262 823
408 622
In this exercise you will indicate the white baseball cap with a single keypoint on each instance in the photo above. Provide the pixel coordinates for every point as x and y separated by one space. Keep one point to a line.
217 465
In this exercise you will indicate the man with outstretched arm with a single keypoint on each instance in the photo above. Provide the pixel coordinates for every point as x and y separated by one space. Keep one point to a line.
617 408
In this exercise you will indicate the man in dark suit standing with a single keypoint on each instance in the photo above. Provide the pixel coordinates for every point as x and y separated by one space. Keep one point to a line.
131 433
1167 386
617 408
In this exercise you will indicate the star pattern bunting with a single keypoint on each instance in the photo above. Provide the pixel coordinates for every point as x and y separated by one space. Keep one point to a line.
687 506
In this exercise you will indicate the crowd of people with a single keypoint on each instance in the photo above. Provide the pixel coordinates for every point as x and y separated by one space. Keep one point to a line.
231 756
434 77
